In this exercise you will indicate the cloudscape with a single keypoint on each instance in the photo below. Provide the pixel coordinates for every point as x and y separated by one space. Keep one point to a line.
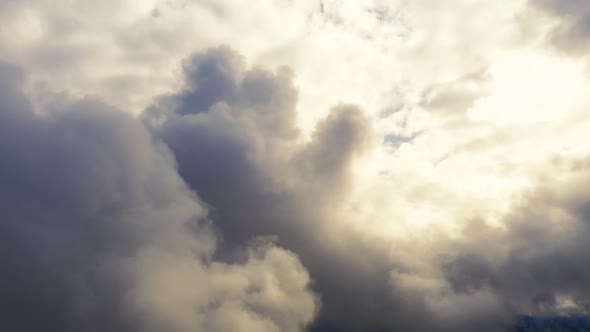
294 166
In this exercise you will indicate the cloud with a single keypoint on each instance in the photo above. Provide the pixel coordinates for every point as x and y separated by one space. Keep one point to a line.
100 233
572 29
533 263
336 166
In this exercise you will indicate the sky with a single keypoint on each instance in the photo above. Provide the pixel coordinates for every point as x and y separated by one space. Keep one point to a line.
293 166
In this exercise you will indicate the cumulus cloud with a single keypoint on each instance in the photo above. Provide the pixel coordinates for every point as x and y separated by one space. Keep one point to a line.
100 233
534 264
572 28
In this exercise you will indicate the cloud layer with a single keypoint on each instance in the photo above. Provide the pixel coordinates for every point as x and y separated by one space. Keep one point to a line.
202 166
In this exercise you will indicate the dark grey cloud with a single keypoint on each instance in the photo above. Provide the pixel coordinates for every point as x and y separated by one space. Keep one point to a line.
536 263
69 181
98 232
572 32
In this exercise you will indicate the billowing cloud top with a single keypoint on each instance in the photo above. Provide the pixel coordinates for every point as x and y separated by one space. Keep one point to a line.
321 166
